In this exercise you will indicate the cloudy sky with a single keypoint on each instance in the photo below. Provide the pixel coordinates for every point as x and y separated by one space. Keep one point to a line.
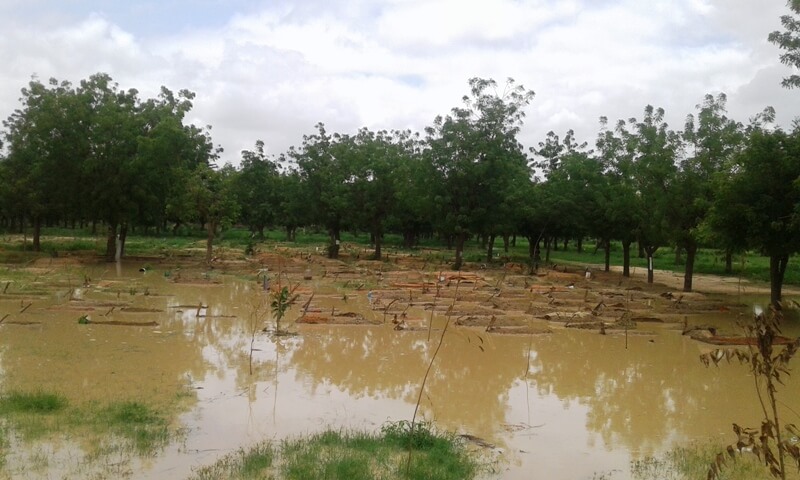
271 70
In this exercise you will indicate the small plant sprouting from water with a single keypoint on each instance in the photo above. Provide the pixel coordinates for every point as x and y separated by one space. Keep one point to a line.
281 301
259 307
413 424
768 368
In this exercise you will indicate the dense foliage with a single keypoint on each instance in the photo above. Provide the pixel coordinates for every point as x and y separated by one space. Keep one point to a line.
97 155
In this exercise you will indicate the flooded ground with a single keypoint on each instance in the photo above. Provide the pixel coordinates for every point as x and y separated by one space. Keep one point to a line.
542 390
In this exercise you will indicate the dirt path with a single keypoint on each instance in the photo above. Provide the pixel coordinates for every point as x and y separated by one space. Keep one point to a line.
707 283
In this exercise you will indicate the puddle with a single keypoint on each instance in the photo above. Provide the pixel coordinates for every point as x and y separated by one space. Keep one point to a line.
571 403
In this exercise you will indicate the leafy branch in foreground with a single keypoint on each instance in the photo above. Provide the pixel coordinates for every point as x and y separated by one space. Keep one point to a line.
768 369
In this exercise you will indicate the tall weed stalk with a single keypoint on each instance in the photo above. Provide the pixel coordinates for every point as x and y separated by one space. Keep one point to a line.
427 373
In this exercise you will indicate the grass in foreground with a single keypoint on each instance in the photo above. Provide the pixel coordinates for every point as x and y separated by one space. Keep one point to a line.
130 426
693 462
336 455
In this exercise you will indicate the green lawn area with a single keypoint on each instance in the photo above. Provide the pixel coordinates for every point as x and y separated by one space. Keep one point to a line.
63 241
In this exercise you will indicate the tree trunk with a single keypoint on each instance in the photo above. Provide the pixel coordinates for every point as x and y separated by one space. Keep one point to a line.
407 239
506 241
607 254
566 242
111 242
37 232
691 251
547 243
514 240
777 269
728 261
460 238
378 239
490 248
580 244
679 255
649 251
210 232
333 247
123 236
626 258
533 254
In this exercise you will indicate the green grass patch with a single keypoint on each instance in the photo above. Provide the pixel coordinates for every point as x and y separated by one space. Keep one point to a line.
36 402
240 465
748 265
335 455
693 462
143 428
126 426
4 443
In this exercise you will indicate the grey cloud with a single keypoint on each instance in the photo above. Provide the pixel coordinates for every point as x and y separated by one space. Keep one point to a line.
272 70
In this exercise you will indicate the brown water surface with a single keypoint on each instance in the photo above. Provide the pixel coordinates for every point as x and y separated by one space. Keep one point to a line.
572 404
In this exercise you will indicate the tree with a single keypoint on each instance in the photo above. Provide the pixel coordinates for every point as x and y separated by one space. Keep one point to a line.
618 214
477 157
571 174
552 150
46 140
212 197
712 139
414 209
655 149
789 41
256 189
376 159
293 202
756 206
533 217
322 162
166 151
109 167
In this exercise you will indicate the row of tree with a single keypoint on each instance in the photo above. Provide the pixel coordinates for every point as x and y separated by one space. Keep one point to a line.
96 154
99 154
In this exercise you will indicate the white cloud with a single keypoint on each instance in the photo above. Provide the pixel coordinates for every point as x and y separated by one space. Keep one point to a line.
273 73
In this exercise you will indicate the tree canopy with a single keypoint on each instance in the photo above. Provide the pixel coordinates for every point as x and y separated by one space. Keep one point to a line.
98 155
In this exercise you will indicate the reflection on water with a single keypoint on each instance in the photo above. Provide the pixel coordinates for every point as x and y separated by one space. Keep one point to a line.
564 405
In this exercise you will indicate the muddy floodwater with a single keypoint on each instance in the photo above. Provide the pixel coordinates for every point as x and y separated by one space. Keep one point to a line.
538 399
